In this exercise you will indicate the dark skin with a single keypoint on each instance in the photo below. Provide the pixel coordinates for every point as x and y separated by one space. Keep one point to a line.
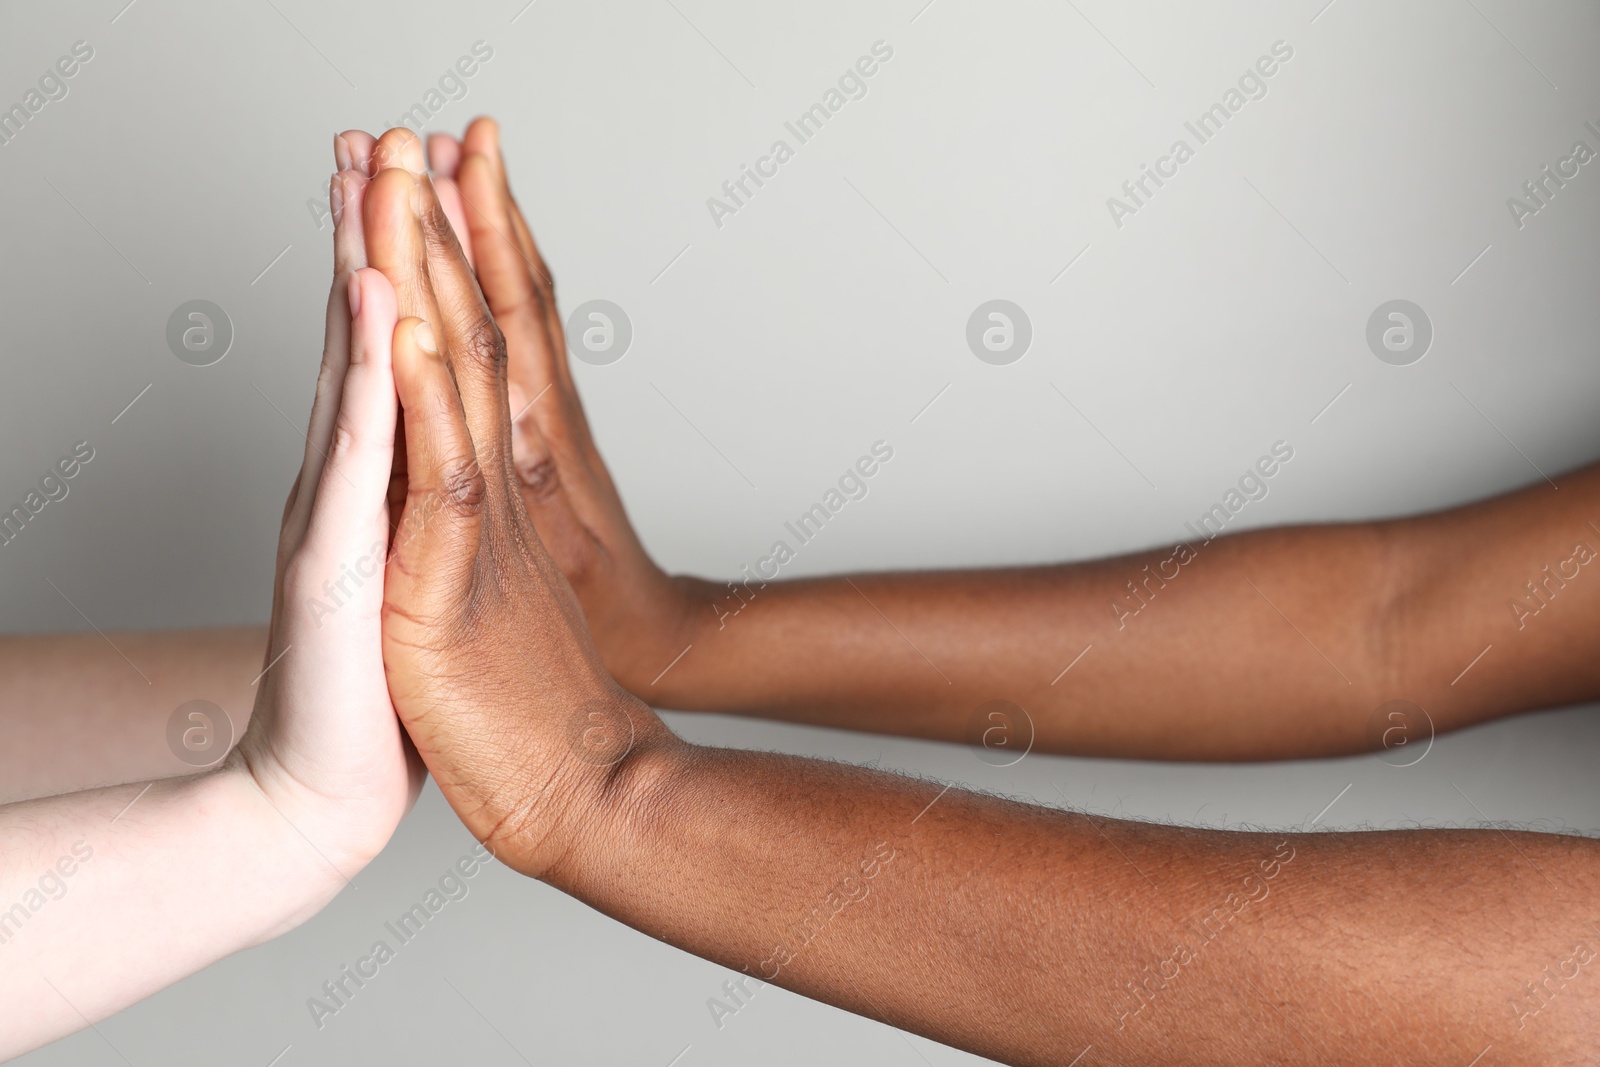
1016 932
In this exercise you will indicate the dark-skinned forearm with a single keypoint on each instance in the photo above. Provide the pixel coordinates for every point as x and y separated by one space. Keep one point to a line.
1270 644
1025 933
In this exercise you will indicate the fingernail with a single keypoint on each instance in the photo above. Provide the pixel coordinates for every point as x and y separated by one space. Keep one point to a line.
341 152
336 199
355 295
423 334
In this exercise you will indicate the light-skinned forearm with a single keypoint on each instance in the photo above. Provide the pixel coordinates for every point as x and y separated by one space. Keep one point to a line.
75 714
1278 643
1026 934
102 903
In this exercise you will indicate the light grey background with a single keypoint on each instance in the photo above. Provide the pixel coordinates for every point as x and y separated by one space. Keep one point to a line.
1225 315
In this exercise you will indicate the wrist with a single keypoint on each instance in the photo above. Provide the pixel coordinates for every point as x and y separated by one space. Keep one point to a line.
293 879
611 781
322 843
646 646
676 678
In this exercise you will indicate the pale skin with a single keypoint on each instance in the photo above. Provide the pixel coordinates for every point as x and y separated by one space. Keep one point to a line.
110 894
1040 919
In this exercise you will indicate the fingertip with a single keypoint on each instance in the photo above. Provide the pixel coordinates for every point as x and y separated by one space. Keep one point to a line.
444 153
360 144
475 174
482 137
479 182
397 183
400 148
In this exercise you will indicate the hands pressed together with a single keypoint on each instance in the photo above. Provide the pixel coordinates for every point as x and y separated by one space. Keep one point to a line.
459 592
419 622
472 629
490 664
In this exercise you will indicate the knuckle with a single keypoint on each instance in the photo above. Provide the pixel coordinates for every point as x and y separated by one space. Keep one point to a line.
484 345
345 442
462 487
539 476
